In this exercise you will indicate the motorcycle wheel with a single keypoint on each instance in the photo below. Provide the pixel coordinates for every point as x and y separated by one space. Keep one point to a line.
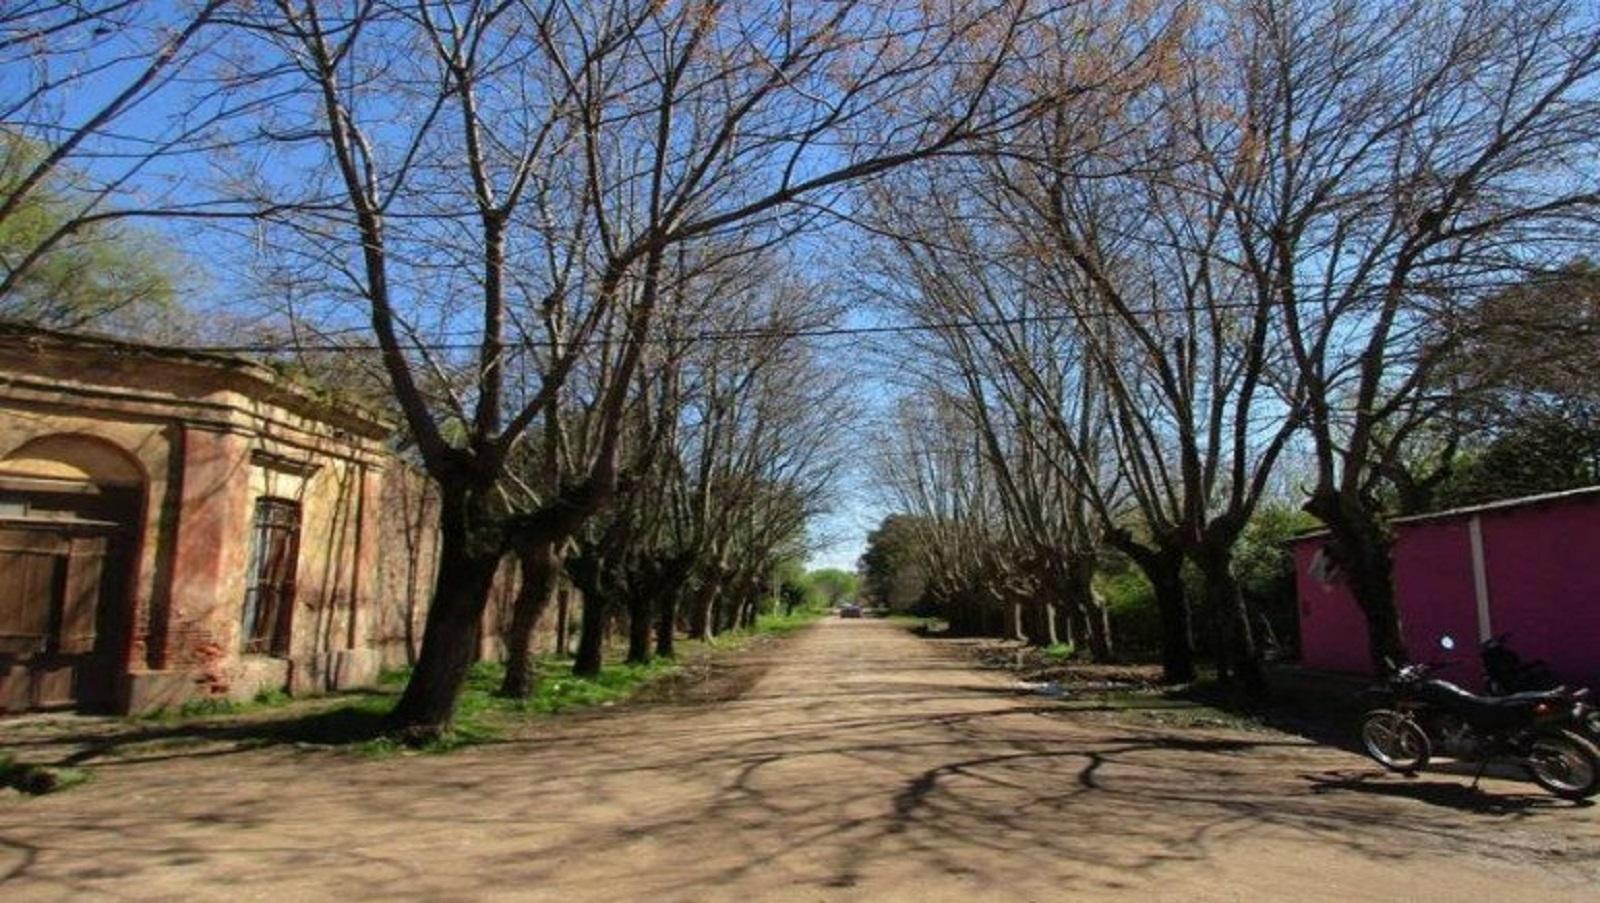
1395 741
1565 764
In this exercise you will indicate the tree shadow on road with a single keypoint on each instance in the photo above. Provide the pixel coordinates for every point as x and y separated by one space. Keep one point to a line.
103 742
798 786
1450 794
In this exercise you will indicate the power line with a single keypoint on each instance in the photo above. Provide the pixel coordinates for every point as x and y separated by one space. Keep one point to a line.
735 335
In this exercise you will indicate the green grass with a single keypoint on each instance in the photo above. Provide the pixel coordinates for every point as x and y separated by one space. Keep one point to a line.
356 721
774 624
482 716
218 706
1059 652
780 624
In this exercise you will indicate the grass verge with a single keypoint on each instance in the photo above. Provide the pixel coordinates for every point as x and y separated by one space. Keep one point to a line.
218 707
482 716
355 721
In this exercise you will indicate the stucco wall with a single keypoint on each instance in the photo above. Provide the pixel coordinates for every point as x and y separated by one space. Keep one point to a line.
209 437
149 444
407 558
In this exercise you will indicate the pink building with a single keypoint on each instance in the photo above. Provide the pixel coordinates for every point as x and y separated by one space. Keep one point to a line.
1529 567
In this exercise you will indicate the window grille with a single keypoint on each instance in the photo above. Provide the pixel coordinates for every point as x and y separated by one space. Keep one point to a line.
269 594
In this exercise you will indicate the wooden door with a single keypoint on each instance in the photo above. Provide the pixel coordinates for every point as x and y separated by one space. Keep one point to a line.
60 607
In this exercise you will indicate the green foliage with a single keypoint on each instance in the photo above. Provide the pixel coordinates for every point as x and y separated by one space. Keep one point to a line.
271 698
1131 606
831 586
1524 414
793 595
1546 452
794 591
1059 652
1263 563
891 566
98 270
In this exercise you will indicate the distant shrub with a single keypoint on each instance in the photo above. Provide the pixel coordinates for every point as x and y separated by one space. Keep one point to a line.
1131 605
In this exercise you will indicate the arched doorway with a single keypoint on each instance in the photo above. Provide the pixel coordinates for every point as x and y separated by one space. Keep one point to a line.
69 510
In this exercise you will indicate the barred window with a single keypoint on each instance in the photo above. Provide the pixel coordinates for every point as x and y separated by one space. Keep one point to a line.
269 594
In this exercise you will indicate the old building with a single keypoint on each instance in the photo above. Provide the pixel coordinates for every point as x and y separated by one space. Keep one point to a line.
175 524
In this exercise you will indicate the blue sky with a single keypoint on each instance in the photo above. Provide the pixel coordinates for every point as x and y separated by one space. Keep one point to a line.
215 262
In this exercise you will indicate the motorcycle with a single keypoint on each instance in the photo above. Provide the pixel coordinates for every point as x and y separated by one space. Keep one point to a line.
1508 674
1539 729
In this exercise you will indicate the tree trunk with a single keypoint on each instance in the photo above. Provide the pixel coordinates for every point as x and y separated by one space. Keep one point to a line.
541 569
1164 569
592 636
1036 623
563 618
727 611
1069 624
666 625
467 563
1237 656
1094 627
702 617
1101 641
1362 551
639 629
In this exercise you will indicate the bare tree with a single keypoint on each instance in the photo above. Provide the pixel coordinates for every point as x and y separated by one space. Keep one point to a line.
505 170
1375 166
95 128
1016 380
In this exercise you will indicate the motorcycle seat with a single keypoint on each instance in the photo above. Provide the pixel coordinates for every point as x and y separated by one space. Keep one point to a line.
1535 695
1489 710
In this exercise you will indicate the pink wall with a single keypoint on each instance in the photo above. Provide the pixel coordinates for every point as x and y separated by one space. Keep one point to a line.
1544 588
1433 582
1544 584
1333 635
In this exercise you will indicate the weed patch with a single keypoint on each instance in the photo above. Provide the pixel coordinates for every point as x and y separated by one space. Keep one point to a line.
482 716
38 779
1059 652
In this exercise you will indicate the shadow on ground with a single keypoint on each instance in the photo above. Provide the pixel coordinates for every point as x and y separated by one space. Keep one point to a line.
835 772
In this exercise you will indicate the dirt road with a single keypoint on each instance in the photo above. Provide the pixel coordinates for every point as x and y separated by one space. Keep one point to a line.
865 764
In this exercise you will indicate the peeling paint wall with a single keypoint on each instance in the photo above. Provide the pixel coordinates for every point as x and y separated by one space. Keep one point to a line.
209 438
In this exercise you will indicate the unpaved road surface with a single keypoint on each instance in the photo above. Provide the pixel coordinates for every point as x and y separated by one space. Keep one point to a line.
865 764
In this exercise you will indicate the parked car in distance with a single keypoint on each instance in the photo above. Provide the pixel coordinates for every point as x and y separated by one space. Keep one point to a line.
850 610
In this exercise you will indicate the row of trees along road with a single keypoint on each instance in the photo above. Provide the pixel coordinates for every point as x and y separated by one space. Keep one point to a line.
1285 236
533 213
1152 250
